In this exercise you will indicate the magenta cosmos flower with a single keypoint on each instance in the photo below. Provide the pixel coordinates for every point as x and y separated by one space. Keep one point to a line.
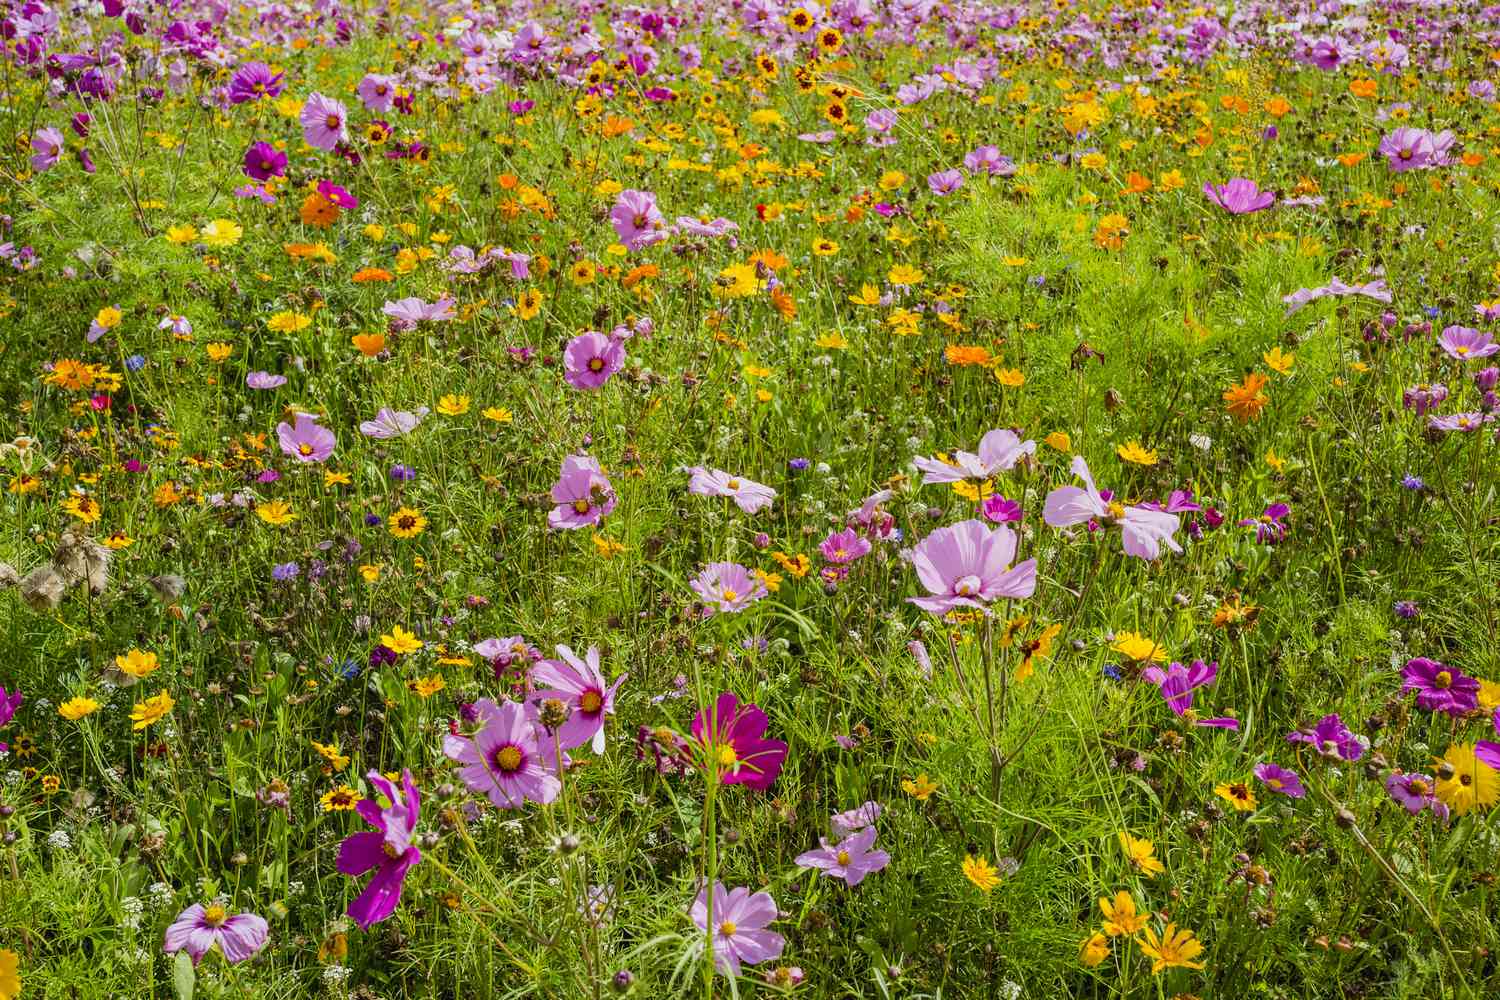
8 705
253 81
1439 687
851 859
388 849
1487 751
999 451
750 496
1143 530
1177 683
505 760
264 161
727 587
582 494
580 685
1239 196
1413 792
844 546
1331 736
637 220
325 122
968 565
732 738
305 440
591 359
740 919
1279 779
1464 343
198 928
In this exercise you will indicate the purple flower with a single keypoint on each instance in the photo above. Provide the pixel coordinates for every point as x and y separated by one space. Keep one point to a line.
264 161
503 652
987 159
1143 531
853 820
845 546
579 684
851 859
1331 736
389 423
253 81
582 495
1413 792
727 587
414 310
283 572
968 565
1406 609
740 920
1440 688
1465 343
47 147
999 451
325 122
505 760
264 380
305 440
1239 196
637 220
1408 149
337 195
1177 682
1487 751
198 928
591 359
732 737
750 496
1424 397
1465 422
8 705
377 92
1269 527
388 849
945 182
998 510
1279 779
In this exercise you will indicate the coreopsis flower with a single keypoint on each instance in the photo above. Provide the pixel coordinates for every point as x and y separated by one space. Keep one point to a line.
1472 783
1245 400
77 708
389 849
740 919
1238 794
1141 854
198 928
1121 919
1173 949
980 872
150 711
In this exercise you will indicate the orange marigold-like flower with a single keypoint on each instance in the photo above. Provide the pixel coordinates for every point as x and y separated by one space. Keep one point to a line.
1245 400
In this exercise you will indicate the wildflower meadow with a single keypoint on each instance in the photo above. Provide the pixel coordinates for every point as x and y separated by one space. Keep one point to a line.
743 498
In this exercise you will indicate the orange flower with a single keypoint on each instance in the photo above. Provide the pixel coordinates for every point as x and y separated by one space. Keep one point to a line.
1113 229
366 275
961 356
1137 183
1364 88
319 211
1245 400
369 344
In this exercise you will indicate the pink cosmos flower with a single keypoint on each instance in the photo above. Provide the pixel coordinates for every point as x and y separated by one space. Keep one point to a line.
1239 196
968 565
999 451
1463 343
582 494
305 440
727 587
732 737
845 546
389 423
505 760
579 684
1177 683
325 122
389 849
415 310
750 496
637 220
854 820
264 380
47 147
198 928
1376 289
1143 530
377 92
945 182
591 359
851 859
740 920
1408 149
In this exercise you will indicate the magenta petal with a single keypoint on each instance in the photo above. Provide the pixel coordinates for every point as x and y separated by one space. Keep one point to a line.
381 896
1488 752
361 852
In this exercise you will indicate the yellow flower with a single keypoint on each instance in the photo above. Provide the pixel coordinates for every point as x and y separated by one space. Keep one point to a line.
606 547
341 799
429 686
76 708
1142 854
905 274
1120 916
406 523
181 234
109 317
1011 378
1474 783
891 180
498 414
1274 460
151 710
529 303
920 788
824 248
277 512
332 478
370 572
86 509
1058 441
137 663
10 975
1094 950
981 873
868 295
832 341
1237 794
1489 695
1174 949
288 322
453 406
400 641
1134 646
218 351
222 233
1278 361
330 752
1135 454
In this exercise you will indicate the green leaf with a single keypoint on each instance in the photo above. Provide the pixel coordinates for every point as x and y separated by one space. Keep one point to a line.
184 978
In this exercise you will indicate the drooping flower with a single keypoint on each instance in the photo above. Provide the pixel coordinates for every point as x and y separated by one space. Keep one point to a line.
750 496
582 495
1270 527
198 928
1440 688
591 359
999 451
579 684
1239 196
389 849
505 760
1143 530
727 587
969 565
740 920
305 440
1331 736
851 859
325 122
732 738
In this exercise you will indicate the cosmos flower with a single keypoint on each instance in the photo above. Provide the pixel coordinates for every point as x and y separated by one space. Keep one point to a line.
969 565
999 451
47 147
505 760
1331 736
1239 196
1463 343
264 380
1143 531
377 92
8 704
390 849
414 310
1408 149
1178 682
198 928
1440 688
325 122
731 736
740 921
582 495
1412 792
390 423
727 587
264 161
254 81
305 440
591 359
637 220
851 859
750 496
842 547
1279 779
579 684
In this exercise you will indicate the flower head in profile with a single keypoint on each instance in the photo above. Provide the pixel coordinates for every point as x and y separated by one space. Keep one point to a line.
1177 683
580 685
1143 530
750 496
740 920
8 704
1331 737
969 565
389 423
727 587
198 928
389 849
999 451
731 737
1239 196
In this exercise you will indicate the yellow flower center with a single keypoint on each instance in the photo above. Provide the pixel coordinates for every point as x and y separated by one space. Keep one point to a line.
581 506
730 595
591 702
727 928
508 759
727 756
843 857
214 916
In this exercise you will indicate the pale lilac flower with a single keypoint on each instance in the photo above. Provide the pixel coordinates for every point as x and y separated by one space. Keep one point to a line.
47 147
1239 196
740 920
1143 531
1464 343
727 587
325 122
988 159
505 760
945 182
1413 792
264 380
415 310
1408 149
389 423
198 928
377 92
1375 289
852 820
582 495
750 496
1279 779
999 451
968 565
851 859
